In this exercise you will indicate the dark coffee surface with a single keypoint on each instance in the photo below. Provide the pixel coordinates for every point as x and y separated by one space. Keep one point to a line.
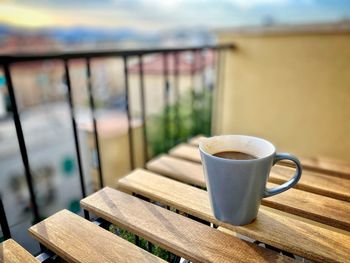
235 155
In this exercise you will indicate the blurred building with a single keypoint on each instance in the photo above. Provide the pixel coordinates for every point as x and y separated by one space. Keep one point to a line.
193 74
22 42
114 147
37 83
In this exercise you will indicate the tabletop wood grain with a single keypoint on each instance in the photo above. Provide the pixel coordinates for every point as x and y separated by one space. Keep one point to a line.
317 242
309 205
179 169
77 240
328 166
314 182
12 252
318 183
317 164
176 233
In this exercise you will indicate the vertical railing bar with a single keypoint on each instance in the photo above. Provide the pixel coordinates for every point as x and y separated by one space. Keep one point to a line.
220 64
204 88
177 96
211 90
143 110
193 91
21 142
130 135
216 83
166 99
203 65
74 125
217 71
3 222
93 113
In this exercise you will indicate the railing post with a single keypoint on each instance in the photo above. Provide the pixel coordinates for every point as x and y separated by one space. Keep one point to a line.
21 142
177 97
130 132
215 91
203 91
193 92
3 222
211 91
166 101
94 122
143 110
75 132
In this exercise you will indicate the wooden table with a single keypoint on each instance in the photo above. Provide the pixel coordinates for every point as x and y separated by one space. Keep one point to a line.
167 204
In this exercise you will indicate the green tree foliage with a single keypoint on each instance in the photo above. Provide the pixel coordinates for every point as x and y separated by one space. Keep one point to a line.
178 122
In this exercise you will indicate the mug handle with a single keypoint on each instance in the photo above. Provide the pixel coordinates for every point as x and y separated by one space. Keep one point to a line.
293 181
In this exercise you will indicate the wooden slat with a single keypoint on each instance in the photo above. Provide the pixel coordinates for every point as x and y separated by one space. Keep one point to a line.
78 240
316 207
317 164
313 206
299 236
179 169
195 140
328 166
12 252
318 183
178 234
235 234
327 185
186 151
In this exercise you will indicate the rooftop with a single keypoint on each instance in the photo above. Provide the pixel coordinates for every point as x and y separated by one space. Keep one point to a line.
154 64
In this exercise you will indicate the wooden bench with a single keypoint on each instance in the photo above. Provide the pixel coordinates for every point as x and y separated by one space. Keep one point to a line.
178 234
294 234
12 252
317 164
77 240
311 220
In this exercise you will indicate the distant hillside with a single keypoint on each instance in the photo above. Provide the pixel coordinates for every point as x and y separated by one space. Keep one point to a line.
80 37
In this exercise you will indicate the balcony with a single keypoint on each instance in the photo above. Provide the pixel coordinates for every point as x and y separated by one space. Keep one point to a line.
109 112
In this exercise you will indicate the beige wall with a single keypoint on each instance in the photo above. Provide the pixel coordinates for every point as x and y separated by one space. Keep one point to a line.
292 89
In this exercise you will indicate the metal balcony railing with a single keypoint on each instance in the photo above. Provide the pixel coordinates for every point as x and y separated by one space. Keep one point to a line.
6 62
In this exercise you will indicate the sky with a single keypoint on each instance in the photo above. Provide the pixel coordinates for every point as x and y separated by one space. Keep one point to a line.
163 14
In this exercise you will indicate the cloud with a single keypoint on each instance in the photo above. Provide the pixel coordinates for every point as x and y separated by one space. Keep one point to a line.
244 4
18 15
163 14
